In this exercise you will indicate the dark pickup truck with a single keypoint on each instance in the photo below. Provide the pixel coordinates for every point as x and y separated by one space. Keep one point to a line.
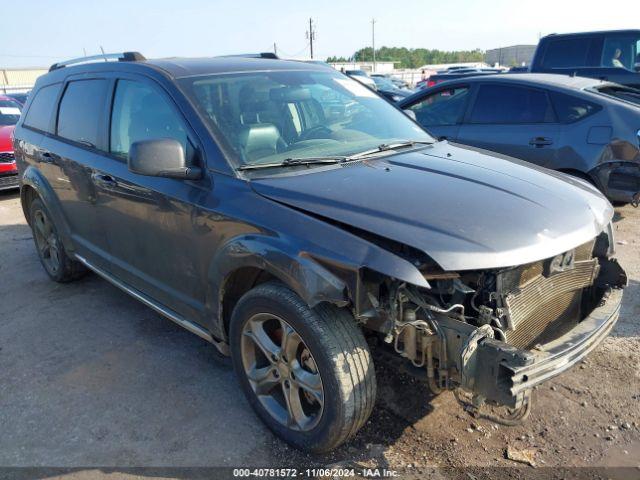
612 55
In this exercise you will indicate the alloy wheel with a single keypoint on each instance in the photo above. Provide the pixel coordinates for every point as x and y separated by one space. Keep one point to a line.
47 241
282 372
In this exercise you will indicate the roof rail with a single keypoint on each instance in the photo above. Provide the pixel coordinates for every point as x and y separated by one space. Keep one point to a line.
120 57
252 55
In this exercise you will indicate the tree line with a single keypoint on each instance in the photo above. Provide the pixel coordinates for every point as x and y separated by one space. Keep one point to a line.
412 57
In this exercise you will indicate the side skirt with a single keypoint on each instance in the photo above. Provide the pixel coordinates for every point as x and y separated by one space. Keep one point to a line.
161 309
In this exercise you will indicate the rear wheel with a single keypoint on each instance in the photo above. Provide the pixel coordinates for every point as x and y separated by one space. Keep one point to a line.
53 256
307 372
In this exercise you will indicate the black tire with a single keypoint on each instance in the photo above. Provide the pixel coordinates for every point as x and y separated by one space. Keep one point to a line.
59 266
340 356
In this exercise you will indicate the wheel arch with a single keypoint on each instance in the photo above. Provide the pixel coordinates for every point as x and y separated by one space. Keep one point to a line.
248 261
35 185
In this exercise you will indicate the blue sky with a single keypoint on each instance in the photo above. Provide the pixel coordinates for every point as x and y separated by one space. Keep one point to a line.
39 32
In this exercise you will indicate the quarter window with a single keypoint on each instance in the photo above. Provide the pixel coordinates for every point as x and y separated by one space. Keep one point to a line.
80 111
42 107
445 107
501 104
141 113
570 109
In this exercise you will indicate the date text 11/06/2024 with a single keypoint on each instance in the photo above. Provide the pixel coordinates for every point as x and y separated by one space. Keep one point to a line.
314 472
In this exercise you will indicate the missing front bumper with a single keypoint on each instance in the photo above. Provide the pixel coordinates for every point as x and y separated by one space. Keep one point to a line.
503 374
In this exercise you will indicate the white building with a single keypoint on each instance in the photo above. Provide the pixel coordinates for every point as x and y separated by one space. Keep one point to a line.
18 80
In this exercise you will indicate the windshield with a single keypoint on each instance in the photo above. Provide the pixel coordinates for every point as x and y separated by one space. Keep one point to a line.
9 112
269 117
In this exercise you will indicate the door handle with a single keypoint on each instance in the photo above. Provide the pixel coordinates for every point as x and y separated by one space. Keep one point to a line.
540 142
102 180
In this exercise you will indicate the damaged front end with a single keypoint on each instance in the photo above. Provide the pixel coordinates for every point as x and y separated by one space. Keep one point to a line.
495 334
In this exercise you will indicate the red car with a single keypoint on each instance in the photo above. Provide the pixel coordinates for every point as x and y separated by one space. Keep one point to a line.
9 115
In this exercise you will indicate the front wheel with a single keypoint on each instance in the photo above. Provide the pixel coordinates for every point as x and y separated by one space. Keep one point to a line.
307 372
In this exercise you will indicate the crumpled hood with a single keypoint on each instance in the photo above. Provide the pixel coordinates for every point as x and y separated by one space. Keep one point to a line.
463 207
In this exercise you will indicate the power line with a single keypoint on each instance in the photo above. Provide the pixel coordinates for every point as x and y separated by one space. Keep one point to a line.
294 55
31 56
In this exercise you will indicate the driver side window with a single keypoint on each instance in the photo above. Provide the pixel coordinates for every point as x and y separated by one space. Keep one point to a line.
141 113
442 108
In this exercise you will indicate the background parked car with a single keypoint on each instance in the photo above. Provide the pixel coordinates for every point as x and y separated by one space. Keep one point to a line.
454 74
21 98
362 77
576 125
9 115
389 90
398 82
612 55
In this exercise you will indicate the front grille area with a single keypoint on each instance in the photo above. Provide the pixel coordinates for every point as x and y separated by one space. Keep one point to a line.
9 181
7 157
542 305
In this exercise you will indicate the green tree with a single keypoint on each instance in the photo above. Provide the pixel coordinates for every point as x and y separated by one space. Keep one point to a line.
413 57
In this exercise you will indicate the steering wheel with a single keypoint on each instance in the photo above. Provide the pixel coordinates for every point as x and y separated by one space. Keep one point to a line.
318 131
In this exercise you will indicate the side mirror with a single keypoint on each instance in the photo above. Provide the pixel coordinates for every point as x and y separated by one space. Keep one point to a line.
636 67
162 157
411 114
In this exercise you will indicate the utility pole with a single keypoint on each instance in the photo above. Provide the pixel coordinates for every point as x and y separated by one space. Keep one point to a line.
311 35
373 42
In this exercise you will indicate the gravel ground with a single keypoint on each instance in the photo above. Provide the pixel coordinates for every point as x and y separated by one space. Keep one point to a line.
90 377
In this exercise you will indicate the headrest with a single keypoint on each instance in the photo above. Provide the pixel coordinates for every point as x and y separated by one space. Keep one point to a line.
260 140
289 94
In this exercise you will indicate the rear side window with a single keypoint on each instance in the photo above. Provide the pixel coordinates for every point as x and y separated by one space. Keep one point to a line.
501 104
567 53
81 110
141 113
42 107
445 107
570 109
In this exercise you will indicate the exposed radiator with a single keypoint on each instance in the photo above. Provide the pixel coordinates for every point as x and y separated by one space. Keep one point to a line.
542 305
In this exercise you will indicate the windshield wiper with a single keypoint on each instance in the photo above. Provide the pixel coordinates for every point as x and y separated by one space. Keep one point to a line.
294 162
384 147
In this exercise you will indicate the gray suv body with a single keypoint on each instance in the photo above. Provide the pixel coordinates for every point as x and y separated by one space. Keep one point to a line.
296 220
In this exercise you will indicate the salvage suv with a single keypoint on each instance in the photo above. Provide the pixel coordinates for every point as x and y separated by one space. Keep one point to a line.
293 218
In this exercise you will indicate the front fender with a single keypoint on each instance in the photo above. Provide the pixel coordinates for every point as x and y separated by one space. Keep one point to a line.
33 178
295 268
